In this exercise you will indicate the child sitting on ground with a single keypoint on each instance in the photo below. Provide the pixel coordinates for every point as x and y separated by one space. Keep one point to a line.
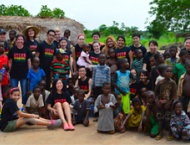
161 73
150 120
166 93
82 108
34 76
180 123
106 104
70 84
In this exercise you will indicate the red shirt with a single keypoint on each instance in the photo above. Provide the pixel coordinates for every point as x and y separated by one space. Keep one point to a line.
4 60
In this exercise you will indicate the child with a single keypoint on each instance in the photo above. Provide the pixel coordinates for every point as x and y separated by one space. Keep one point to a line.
70 88
84 56
101 73
166 93
150 118
121 83
183 88
154 71
152 61
180 123
119 115
67 34
138 63
35 102
82 108
166 54
10 123
106 104
74 98
135 117
133 86
96 37
74 77
161 73
11 40
34 76
179 68
142 96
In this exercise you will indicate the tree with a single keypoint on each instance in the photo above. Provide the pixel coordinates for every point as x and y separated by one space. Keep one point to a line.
171 14
45 12
58 13
102 28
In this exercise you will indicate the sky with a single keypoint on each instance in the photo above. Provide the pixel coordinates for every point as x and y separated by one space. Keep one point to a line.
93 13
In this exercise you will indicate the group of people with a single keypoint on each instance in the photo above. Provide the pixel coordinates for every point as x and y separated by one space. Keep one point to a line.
127 88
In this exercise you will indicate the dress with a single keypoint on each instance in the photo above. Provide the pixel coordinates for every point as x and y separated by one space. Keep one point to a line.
81 61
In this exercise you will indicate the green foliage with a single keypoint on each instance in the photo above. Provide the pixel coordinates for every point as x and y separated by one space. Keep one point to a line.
45 12
58 13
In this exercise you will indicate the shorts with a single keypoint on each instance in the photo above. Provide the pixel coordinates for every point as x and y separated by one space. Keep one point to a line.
164 114
11 126
126 102
155 125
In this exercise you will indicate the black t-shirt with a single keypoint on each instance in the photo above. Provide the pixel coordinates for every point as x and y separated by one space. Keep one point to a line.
32 45
9 108
142 48
78 50
67 56
186 50
122 53
147 60
133 89
54 98
141 85
6 48
84 85
94 58
57 45
46 55
19 68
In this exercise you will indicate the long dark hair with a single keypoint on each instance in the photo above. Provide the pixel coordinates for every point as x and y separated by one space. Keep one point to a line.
54 89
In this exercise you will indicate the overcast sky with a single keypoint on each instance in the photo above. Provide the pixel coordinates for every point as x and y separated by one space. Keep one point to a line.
93 13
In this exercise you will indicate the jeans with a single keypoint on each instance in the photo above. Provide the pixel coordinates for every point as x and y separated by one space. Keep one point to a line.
185 102
23 83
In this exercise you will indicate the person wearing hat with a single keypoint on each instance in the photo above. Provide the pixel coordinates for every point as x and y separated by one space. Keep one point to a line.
31 33
59 68
2 38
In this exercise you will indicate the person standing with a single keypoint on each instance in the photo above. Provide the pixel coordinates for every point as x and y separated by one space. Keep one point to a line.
2 38
57 37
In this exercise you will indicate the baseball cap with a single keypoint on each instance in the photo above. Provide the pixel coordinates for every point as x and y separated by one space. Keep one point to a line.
60 51
2 31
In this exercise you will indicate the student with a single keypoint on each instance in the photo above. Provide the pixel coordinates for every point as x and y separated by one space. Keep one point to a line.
84 57
121 83
166 54
10 123
82 108
150 120
138 63
11 41
110 44
20 63
183 88
136 40
133 86
70 84
34 76
161 68
135 117
57 37
159 58
166 93
179 122
46 51
106 104
5 81
2 38
179 68
119 115
35 102
101 73
122 51
59 68
187 45
67 34
96 37
58 104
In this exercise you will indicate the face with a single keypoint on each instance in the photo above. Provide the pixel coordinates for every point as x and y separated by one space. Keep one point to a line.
120 42
35 63
167 55
136 40
31 32
139 54
112 53
168 72
70 83
60 56
59 85
51 36
80 97
134 72
106 89
187 43
96 47
66 34
110 43
102 59
81 40
74 77
20 40
137 106
143 77
143 91
153 48
2 37
82 72
150 99
178 108
42 85
15 96
152 62
95 37
161 58
119 99
125 64
37 92
187 67
1 47
184 58
57 36
75 91
11 35
86 48
63 43
173 52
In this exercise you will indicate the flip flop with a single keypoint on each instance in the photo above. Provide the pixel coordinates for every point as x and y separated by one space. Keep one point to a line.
158 137
170 138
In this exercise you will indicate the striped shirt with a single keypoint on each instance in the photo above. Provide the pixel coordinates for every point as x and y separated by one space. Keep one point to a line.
137 65
101 74
59 66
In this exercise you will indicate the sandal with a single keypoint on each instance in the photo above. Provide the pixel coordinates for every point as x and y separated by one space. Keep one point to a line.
158 137
170 138
66 127
71 127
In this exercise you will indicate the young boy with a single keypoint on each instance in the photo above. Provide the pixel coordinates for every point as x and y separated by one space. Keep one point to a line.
82 108
96 37
59 68
183 88
67 34
101 74
34 76
74 97
70 84
11 40
161 73
166 54
138 63
121 83
166 93
179 68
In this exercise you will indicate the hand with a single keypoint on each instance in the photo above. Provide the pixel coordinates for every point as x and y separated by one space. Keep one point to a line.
102 107
167 105
140 128
59 72
74 122
55 112
29 93
123 93
37 116
121 127
159 103
85 121
112 105
179 127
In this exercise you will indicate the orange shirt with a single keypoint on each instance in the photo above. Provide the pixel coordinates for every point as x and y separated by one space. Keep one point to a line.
4 60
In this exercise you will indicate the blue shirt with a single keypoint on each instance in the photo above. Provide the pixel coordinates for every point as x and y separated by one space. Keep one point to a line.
35 77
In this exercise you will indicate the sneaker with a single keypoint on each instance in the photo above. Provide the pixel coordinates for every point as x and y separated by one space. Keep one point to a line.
55 123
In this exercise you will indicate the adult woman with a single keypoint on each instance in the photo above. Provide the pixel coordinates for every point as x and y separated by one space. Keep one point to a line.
58 104
122 51
187 45
110 43
20 63
77 50
30 34
153 45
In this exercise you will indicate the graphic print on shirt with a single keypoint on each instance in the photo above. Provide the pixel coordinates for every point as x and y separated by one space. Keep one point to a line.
85 88
6 51
78 54
121 55
33 47
60 100
133 91
134 56
124 81
20 57
49 52
94 60
66 59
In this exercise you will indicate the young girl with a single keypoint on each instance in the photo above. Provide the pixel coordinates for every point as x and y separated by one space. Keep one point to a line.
10 123
180 123
106 104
